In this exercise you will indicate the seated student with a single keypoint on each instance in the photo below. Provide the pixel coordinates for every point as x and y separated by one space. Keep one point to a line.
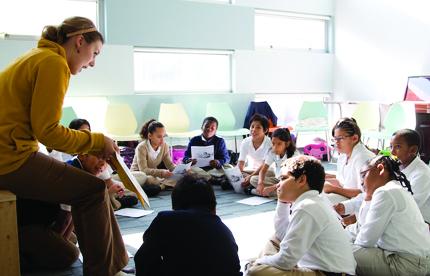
282 148
208 138
352 156
254 148
190 240
309 239
393 238
153 156
405 145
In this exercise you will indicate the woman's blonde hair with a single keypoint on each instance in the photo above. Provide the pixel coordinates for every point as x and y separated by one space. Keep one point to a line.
72 26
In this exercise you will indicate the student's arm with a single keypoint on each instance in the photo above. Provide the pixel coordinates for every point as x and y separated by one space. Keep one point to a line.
282 219
167 160
142 162
302 232
242 155
187 154
380 211
247 180
352 206
148 258
349 193
221 153
261 177
421 189
241 165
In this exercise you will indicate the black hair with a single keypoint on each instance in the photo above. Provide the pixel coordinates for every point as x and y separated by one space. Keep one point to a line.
210 119
393 167
262 120
78 123
309 166
283 134
349 125
411 137
150 127
192 192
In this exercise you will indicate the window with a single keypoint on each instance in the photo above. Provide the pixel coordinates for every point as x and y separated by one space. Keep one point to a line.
280 30
158 70
28 17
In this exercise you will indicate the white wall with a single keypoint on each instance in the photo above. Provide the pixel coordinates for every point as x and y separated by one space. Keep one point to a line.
378 45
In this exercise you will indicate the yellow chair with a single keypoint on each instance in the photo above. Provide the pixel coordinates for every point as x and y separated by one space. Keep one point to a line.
226 121
368 118
120 123
175 120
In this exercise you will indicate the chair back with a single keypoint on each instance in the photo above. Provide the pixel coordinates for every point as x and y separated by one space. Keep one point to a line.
400 115
313 113
223 113
120 120
68 114
174 117
367 116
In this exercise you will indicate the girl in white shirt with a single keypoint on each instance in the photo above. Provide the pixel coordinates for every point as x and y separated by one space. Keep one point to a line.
283 147
353 155
308 237
393 238
405 144
254 148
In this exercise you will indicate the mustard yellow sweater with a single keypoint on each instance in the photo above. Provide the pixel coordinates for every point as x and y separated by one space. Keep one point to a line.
32 91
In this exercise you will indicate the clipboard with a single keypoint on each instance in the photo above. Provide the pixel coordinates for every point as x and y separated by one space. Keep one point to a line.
129 181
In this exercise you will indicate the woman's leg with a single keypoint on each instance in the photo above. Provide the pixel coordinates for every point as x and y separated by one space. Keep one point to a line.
44 178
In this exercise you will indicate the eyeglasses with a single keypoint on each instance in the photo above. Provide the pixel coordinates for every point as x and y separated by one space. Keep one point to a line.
339 138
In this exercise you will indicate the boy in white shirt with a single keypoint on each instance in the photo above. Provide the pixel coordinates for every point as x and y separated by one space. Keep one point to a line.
393 238
309 239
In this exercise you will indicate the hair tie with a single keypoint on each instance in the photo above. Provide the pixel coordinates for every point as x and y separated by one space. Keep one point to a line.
84 31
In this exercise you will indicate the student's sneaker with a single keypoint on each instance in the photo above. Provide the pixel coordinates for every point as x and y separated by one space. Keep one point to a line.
250 190
123 274
127 201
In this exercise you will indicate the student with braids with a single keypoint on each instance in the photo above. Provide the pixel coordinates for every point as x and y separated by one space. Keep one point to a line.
353 155
393 238
405 145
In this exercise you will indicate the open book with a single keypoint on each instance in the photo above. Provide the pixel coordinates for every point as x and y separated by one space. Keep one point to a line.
129 181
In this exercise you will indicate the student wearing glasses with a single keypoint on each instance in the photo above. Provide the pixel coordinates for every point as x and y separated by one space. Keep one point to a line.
393 238
353 154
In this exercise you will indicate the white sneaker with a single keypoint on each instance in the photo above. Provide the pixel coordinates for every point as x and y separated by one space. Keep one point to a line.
121 273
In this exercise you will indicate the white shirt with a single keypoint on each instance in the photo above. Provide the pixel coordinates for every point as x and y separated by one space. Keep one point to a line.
418 174
394 222
313 237
254 157
348 171
272 158
151 152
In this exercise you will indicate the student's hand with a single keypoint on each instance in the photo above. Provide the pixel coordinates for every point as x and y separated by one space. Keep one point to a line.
333 181
260 188
110 148
116 189
267 191
167 174
214 163
340 208
193 161
329 188
349 220
246 181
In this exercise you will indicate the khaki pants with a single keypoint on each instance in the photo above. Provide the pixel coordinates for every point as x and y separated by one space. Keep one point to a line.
271 248
41 247
379 262
44 178
269 180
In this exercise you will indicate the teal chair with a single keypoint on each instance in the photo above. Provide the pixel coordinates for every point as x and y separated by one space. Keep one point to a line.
400 115
313 118
68 114
226 121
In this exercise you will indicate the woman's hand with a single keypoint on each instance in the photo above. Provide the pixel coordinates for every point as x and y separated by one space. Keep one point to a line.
109 149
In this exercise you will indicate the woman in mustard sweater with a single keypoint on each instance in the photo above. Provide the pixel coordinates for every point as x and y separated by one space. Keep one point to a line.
32 91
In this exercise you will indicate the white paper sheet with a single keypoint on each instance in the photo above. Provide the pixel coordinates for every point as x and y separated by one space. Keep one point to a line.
234 176
133 212
203 155
255 200
182 168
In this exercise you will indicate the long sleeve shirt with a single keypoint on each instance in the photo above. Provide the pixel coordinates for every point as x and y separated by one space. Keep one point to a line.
143 162
220 149
32 91
394 222
313 237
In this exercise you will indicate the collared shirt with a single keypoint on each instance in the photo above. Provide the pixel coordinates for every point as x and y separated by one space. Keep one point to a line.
273 158
313 237
394 222
254 157
348 171
418 174
152 154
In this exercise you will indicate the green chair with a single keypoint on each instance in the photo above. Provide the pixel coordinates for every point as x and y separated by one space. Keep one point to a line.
68 114
400 115
120 122
226 121
368 118
313 118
